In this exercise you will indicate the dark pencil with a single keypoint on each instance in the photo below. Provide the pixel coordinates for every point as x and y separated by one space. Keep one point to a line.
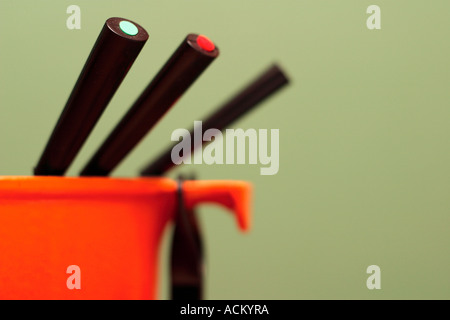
113 54
190 59
261 88
187 254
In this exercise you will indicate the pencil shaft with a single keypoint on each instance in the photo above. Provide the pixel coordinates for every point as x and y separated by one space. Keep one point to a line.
186 254
176 76
107 65
260 89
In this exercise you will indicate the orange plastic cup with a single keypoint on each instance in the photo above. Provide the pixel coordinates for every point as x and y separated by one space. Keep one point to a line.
94 238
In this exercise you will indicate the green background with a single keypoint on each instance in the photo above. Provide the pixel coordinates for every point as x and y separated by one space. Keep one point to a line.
364 133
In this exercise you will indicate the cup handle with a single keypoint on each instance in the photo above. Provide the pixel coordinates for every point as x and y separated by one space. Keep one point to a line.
234 195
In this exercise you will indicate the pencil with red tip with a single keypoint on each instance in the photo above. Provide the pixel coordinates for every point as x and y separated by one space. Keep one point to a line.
264 86
118 45
187 63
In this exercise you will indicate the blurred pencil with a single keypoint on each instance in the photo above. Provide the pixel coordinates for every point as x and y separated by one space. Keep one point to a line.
268 83
187 263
